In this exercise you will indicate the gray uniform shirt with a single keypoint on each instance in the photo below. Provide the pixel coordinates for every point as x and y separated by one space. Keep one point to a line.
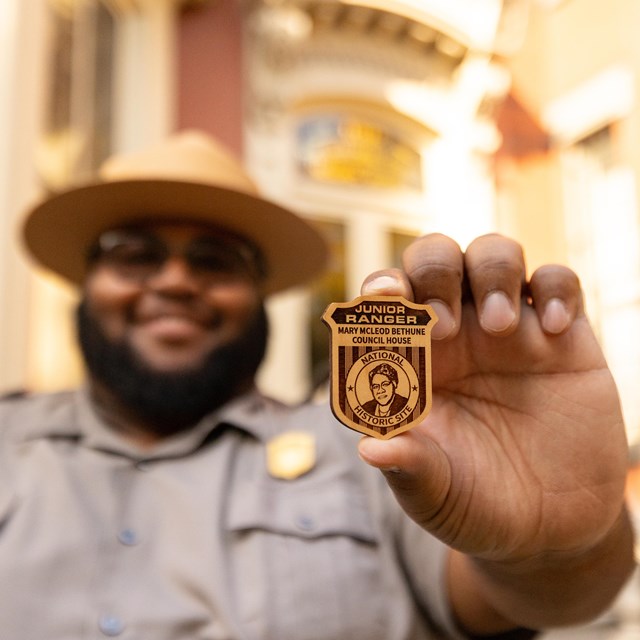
195 540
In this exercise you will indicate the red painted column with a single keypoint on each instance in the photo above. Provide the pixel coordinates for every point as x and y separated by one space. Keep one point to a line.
209 71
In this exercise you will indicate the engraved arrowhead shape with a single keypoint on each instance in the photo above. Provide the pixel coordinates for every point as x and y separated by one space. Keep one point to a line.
380 363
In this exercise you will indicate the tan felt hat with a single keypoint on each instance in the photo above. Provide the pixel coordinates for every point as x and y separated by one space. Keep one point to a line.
188 177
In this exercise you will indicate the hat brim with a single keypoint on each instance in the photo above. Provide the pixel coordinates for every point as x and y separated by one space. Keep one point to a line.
59 231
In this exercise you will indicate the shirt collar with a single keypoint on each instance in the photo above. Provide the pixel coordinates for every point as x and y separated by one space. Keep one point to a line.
76 417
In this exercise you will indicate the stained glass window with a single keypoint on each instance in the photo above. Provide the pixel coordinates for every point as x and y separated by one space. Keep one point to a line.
351 150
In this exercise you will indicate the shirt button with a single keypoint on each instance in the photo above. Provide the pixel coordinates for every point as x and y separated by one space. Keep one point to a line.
305 523
111 625
128 537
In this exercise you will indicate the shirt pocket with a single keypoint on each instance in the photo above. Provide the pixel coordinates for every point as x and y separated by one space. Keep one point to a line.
305 561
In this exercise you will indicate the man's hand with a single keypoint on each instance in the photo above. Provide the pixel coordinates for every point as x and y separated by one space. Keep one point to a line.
523 455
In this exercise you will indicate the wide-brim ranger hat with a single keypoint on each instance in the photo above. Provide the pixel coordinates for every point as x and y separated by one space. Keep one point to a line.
188 177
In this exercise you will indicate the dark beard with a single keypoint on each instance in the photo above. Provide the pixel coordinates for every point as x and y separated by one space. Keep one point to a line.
168 402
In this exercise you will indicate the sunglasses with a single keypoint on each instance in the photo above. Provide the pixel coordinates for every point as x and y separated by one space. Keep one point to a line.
137 254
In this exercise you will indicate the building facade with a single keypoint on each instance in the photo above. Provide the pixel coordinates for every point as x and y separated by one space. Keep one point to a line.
378 120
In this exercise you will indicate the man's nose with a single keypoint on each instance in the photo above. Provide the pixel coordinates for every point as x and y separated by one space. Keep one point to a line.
174 276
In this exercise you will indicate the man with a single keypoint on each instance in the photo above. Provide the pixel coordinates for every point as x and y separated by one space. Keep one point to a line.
383 382
157 502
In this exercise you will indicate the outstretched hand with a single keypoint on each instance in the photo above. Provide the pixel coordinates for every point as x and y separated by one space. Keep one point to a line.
524 451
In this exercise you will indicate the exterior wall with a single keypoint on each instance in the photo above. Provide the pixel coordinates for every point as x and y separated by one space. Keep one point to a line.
22 37
577 74
565 46
530 208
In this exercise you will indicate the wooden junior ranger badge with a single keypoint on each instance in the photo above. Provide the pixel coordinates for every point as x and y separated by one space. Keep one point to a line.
380 363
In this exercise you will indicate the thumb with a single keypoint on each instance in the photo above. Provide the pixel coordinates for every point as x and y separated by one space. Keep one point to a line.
417 470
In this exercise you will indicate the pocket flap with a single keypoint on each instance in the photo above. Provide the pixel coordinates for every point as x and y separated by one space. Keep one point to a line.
304 511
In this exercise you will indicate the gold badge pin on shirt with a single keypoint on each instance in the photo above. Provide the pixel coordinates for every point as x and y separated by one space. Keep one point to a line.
380 363
291 454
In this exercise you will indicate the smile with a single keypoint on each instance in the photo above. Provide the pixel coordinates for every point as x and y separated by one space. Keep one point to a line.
173 328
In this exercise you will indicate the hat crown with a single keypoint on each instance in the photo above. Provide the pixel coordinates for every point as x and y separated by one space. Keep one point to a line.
189 156
188 177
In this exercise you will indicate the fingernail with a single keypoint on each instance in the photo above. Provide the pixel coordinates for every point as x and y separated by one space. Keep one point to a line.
555 318
394 471
497 313
380 285
446 322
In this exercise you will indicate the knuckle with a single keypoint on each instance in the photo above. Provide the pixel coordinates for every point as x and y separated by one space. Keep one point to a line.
487 254
496 269
436 274
432 248
557 275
